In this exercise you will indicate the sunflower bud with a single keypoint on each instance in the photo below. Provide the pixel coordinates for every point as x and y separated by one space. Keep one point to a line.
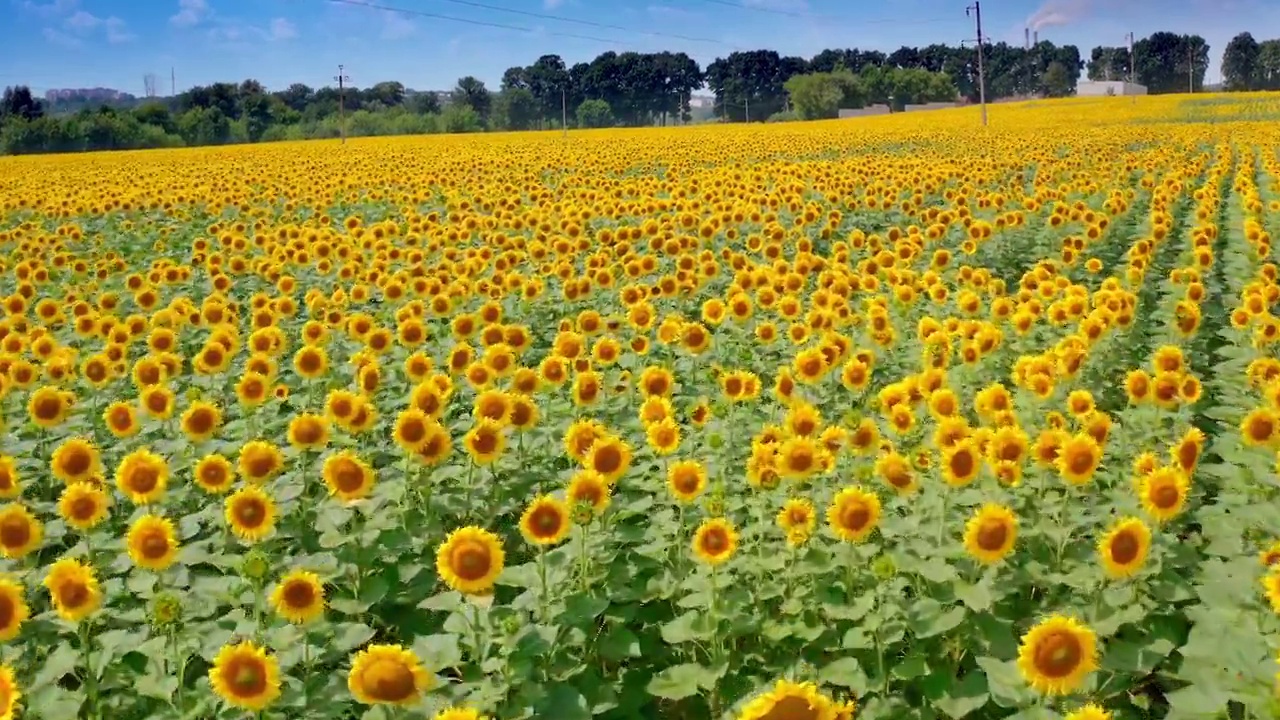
715 441
255 565
884 567
166 611
583 513
715 506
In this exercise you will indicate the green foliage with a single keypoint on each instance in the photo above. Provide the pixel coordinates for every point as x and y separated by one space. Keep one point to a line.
594 114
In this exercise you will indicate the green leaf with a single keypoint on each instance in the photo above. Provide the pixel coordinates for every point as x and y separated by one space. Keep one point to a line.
931 619
845 672
692 625
582 608
1199 701
675 683
618 644
976 597
564 701
61 662
349 636
1005 683
964 697
439 651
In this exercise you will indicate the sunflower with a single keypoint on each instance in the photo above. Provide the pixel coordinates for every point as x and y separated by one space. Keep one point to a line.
1163 492
251 513
10 482
1271 586
299 597
201 421
349 478
142 476
895 470
484 442
1260 427
1270 556
991 533
387 675
252 389
470 560
311 361
663 436
797 518
245 676
1088 712
309 431
13 612
121 419
801 457
152 542
20 531
494 405
83 505
656 381
580 436
610 456
1124 548
259 461
1137 386
1056 655
961 463
1080 403
1187 452
214 474
48 406
545 521
591 488
854 514
715 541
524 412
157 401
437 446
73 588
787 699
686 479
1078 458
75 460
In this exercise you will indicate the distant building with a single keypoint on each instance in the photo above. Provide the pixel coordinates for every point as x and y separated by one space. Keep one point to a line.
1108 88
87 94
701 101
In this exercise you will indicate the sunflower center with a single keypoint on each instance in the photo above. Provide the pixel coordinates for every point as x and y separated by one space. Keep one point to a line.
1261 428
83 508
48 408
494 409
6 479
200 422
299 594
1058 654
471 560
791 708
485 442
715 541
250 512
341 408
73 593
143 479
309 433
962 464
607 459
1124 548
1080 461
992 535
7 610
261 465
686 482
855 516
157 402
212 475
348 477
76 462
1165 496
246 677
15 532
546 521
154 546
800 459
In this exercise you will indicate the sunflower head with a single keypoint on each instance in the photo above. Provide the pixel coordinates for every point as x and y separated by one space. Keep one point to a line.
715 541
251 513
13 611
142 476
20 531
152 542
546 521
387 675
854 514
245 676
299 597
74 589
991 533
1057 654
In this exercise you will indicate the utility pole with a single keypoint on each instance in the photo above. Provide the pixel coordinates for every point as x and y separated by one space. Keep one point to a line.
976 11
342 113
564 112
173 82
747 106
1191 68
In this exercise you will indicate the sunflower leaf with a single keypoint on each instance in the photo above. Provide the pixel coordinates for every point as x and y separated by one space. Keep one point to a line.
677 682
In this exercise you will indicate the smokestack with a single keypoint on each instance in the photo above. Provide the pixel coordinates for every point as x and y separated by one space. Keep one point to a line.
1035 38
1027 33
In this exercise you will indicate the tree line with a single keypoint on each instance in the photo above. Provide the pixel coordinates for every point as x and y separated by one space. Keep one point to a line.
629 88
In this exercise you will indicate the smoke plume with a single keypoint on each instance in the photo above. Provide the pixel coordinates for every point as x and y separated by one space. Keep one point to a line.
1058 12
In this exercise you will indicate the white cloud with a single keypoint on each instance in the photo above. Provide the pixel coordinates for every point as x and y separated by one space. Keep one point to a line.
779 5
282 29
57 37
117 31
552 4
190 13
57 8
396 26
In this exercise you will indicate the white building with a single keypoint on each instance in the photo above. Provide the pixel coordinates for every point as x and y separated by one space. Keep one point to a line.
1106 88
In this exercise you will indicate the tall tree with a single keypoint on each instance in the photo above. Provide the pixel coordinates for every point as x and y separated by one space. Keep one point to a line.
470 91
548 80
17 101
1171 63
1269 65
1240 63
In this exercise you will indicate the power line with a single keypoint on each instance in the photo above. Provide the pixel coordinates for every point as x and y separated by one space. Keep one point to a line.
821 16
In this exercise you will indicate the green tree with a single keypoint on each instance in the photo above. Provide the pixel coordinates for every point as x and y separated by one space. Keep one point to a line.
1056 80
1269 65
594 114
470 91
1240 63
815 96
518 108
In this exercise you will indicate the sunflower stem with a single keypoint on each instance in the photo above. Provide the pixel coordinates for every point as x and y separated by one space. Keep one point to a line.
475 630
90 678
306 670
180 664
713 616
582 557
471 467
942 516
544 599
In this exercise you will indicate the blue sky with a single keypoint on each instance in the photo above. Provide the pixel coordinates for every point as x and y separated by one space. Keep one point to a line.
115 43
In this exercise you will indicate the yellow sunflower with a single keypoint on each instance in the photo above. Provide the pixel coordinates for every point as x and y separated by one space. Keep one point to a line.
470 560
299 597
854 514
456 713
663 436
387 675
1078 458
121 419
9 693
309 431
484 442
1089 712
349 478
259 461
686 479
715 541
788 699
1163 492
610 456
75 460
591 488
214 474
83 506
152 542
1056 655
251 513
1124 548
73 587
961 463
20 531
797 518
10 481
13 611
201 421
991 533
546 521
245 676
142 476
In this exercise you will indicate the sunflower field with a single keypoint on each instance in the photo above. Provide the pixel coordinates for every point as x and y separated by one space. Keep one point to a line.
886 418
